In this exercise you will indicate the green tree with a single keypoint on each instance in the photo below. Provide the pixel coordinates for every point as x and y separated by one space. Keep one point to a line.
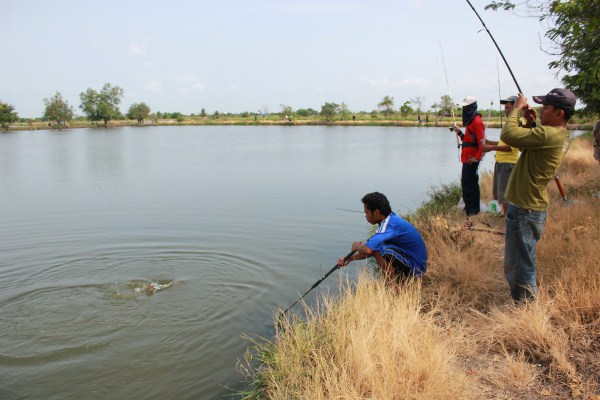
344 111
58 109
286 111
139 112
329 111
306 112
406 108
102 106
574 29
7 114
446 105
386 106
203 113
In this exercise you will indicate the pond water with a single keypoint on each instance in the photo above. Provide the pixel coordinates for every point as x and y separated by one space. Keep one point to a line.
229 222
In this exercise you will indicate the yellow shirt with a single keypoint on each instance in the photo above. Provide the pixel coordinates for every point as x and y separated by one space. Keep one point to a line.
507 156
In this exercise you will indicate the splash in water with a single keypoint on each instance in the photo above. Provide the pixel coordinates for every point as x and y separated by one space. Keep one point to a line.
131 289
151 287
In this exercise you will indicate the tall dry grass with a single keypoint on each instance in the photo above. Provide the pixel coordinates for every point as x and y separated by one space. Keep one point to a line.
368 343
456 334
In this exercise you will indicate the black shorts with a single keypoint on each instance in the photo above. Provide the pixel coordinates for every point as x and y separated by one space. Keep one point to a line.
402 271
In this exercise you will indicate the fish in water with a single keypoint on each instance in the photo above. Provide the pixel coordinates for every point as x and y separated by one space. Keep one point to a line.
151 287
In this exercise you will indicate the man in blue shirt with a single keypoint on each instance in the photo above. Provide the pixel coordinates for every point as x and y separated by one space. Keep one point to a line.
397 246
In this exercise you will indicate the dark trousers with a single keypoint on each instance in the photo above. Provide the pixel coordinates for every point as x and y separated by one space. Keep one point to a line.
470 187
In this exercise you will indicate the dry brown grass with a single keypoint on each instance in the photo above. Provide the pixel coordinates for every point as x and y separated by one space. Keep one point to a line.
456 334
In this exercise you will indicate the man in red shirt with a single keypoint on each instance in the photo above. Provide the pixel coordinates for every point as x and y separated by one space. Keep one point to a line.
472 141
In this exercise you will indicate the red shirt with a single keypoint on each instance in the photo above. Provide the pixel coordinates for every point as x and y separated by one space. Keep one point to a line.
474 128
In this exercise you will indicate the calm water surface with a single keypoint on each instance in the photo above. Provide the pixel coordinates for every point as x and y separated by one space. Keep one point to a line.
237 220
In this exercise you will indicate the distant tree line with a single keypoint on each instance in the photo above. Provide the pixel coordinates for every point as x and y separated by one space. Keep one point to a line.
103 106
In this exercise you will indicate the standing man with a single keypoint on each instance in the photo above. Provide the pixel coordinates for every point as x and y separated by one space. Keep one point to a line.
506 158
397 246
542 150
472 141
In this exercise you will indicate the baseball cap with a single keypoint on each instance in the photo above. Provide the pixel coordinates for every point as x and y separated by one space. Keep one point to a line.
468 101
560 98
510 99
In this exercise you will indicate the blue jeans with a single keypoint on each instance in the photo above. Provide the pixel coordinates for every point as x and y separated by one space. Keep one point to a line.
523 229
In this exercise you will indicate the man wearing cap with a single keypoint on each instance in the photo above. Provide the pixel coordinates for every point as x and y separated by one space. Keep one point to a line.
506 157
472 141
542 150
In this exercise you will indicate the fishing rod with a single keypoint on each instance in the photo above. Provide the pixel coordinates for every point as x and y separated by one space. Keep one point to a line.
556 178
499 94
487 123
497 47
451 101
319 281
489 114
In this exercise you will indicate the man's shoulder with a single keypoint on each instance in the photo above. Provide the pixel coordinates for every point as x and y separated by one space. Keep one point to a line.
397 222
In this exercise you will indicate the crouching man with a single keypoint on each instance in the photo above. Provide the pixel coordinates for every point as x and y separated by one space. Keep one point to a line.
397 246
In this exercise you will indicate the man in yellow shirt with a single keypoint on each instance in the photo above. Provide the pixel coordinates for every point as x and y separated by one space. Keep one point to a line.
542 149
506 158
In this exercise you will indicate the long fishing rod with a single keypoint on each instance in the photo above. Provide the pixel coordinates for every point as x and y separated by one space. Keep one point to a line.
556 178
319 281
451 101
497 47
487 123
499 94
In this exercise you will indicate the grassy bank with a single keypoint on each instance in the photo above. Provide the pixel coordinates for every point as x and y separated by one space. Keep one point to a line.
456 333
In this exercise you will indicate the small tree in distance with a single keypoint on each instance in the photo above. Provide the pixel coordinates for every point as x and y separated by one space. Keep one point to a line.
58 109
406 109
329 111
103 105
387 106
139 112
7 114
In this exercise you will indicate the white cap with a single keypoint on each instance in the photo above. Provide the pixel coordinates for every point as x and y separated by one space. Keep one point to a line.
468 101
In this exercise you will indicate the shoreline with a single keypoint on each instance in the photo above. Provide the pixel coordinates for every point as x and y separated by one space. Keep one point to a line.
38 126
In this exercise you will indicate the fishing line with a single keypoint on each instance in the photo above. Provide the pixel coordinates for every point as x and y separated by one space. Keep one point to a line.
451 101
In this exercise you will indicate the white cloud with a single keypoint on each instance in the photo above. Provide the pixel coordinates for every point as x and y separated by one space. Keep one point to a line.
194 87
384 84
137 50
187 78
153 86
199 86
102 43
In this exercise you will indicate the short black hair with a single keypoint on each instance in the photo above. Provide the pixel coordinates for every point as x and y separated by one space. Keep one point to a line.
568 114
377 201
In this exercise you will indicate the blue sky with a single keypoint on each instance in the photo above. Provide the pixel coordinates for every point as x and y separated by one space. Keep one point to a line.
235 56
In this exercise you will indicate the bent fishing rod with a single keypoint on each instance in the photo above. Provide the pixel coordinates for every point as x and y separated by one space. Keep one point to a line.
556 178
320 280
497 47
